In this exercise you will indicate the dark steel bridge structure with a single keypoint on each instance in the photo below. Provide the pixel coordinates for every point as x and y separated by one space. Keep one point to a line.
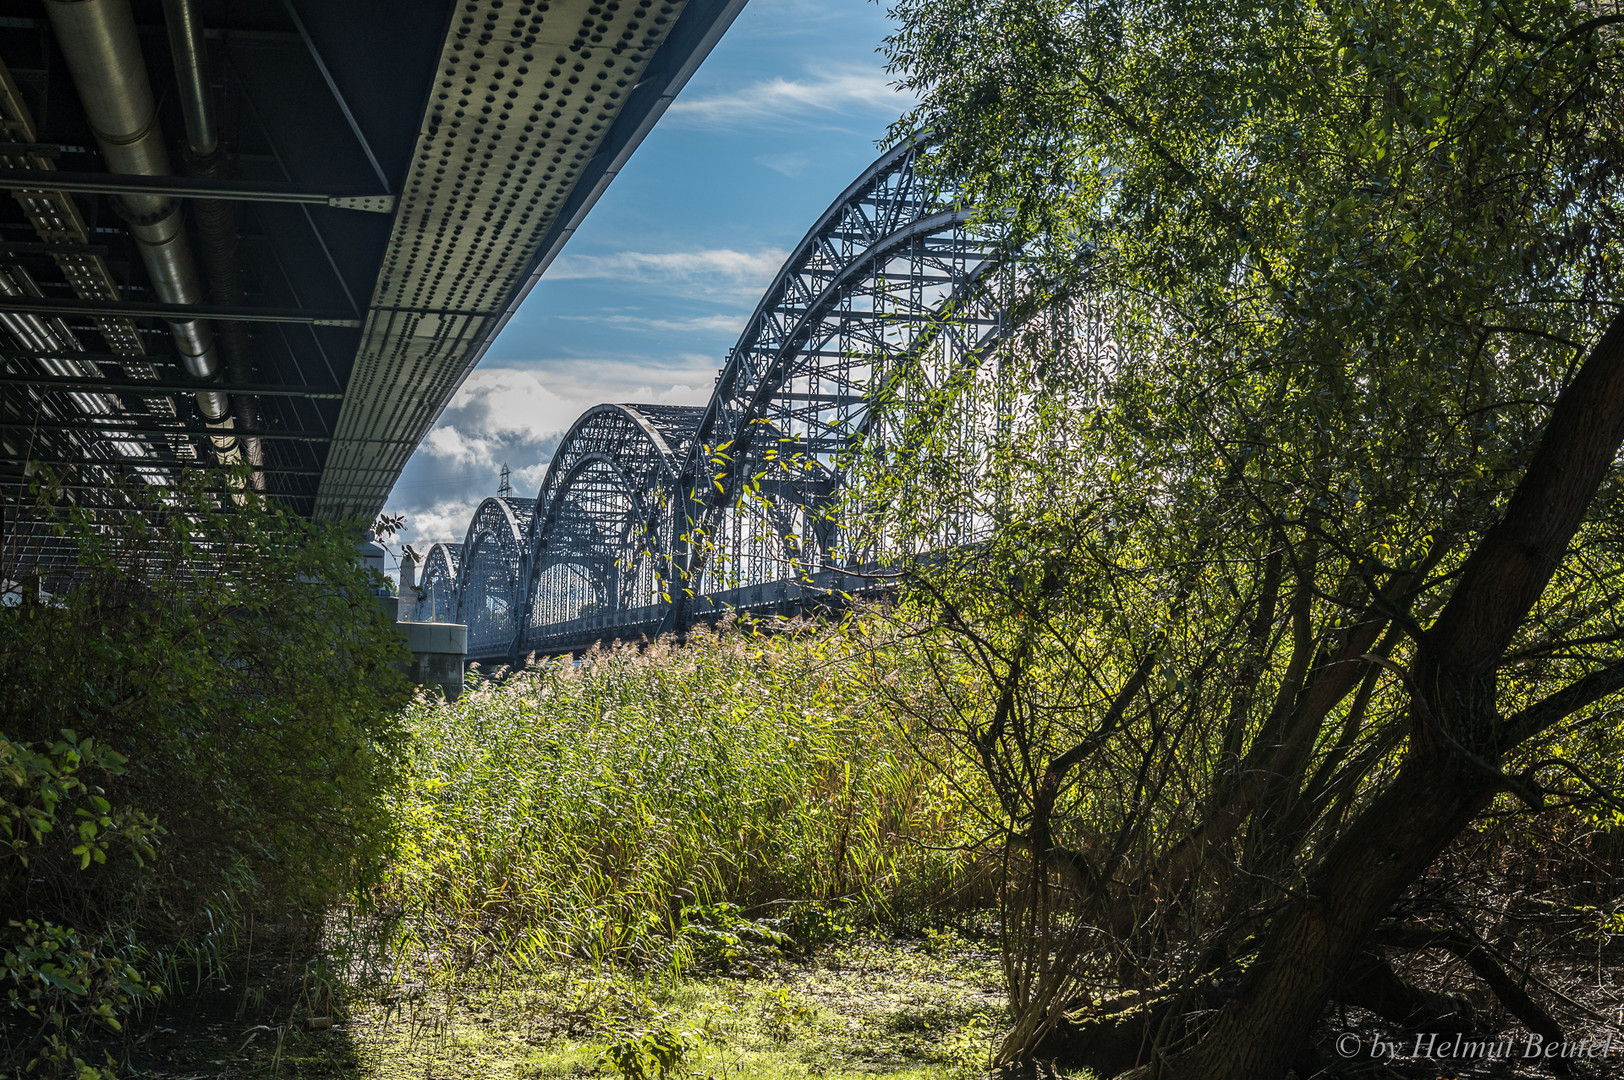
653 516
273 236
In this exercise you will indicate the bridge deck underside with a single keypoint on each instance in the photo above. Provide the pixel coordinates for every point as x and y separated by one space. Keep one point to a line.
389 179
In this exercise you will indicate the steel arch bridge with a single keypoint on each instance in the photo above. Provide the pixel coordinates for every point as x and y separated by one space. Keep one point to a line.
439 583
650 515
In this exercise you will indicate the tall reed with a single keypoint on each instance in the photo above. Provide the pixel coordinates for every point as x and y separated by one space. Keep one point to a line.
566 810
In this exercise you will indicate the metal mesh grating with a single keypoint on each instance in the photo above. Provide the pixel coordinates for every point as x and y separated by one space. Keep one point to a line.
57 221
522 100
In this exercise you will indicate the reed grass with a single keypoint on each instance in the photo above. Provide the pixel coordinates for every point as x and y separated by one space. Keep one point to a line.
569 811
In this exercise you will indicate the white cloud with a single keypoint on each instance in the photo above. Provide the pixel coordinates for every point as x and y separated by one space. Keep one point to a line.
838 91
517 416
792 164
696 324
676 394
499 416
496 412
511 402
716 272
444 522
592 380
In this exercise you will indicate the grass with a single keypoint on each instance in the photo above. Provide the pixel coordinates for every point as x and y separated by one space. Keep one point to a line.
916 1007
723 863
859 1008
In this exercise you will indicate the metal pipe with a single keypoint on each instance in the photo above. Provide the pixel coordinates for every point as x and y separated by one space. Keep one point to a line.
186 44
216 220
98 39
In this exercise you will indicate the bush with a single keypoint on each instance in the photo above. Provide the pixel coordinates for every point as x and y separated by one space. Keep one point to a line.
61 988
650 1054
201 720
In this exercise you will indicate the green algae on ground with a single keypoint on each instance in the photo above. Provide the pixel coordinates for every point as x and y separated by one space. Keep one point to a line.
922 1008
900 1009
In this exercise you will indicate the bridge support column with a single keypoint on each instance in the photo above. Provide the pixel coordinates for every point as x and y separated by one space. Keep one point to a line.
438 652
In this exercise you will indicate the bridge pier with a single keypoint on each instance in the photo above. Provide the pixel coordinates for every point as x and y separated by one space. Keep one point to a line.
438 652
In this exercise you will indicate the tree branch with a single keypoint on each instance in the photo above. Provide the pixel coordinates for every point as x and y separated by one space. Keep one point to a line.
1506 574
1524 725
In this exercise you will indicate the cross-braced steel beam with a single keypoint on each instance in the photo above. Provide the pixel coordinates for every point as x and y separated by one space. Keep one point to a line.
650 514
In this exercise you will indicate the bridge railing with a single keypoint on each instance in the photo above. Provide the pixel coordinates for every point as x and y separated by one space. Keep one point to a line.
782 598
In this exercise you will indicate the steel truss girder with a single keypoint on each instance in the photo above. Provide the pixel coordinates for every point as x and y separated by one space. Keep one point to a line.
604 528
889 265
490 574
641 502
439 584
140 387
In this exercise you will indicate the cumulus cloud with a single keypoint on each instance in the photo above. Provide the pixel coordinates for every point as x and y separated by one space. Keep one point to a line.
516 416
510 403
495 412
838 91
676 394
443 522
499 416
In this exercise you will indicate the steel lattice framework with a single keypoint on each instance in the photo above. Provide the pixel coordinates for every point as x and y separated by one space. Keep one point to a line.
490 576
649 514
439 584
888 272
606 522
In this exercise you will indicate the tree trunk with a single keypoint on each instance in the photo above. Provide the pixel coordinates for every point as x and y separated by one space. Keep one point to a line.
1315 940
1456 738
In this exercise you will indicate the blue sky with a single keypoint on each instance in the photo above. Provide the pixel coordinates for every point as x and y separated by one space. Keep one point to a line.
651 292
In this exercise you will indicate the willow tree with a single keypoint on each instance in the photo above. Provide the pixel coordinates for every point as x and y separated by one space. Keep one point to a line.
1322 561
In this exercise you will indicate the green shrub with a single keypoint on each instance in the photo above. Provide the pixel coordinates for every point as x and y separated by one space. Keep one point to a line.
719 936
650 1053
784 1019
59 986
38 786
62 987
235 694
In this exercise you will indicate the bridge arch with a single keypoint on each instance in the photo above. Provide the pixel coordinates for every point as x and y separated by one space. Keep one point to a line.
439 583
604 526
891 276
894 290
491 573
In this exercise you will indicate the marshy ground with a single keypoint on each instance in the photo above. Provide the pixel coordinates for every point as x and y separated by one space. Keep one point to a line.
774 879
921 1006
913 1006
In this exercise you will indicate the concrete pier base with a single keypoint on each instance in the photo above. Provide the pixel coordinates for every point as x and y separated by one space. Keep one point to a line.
438 651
